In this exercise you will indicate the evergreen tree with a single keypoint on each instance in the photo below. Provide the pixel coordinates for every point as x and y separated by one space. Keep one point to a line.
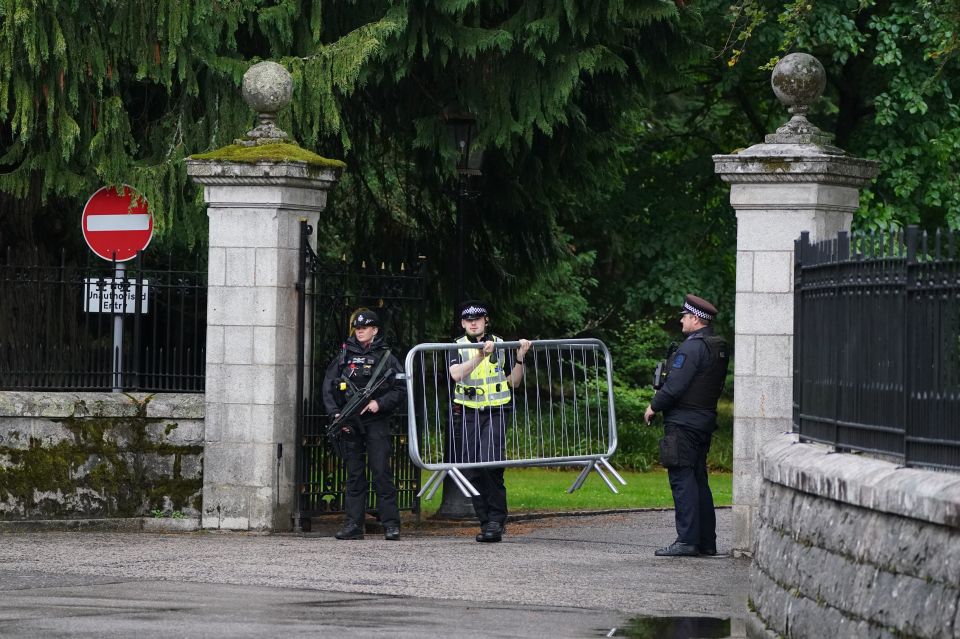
122 92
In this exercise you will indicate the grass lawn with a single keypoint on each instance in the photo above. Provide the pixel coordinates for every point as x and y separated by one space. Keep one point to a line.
545 489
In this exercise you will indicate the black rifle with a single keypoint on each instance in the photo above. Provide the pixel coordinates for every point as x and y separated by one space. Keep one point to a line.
335 430
660 372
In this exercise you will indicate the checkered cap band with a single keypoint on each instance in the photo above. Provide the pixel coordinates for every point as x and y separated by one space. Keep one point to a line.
473 311
688 308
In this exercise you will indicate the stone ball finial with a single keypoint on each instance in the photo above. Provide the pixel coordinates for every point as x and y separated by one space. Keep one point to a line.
798 81
267 87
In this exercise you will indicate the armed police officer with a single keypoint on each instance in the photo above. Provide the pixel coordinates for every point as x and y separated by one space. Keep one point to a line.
483 380
365 366
695 374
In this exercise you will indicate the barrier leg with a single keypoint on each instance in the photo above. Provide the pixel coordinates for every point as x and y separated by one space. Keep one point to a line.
606 464
595 464
578 482
433 482
609 484
463 483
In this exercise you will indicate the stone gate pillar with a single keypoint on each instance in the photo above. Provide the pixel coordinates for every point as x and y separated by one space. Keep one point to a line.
795 181
256 191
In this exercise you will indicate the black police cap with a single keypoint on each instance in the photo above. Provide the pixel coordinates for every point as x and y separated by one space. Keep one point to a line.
473 309
699 307
366 318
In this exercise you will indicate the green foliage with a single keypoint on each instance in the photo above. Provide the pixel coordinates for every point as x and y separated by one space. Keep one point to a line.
548 82
598 206
637 448
159 513
123 92
892 76
665 227
638 443
561 295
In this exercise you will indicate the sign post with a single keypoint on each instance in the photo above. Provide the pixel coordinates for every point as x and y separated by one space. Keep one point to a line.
116 225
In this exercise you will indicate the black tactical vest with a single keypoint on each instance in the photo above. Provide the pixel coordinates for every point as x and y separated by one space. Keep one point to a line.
707 385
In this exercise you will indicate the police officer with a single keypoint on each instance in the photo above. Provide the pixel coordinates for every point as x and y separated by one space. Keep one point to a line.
482 398
369 429
688 400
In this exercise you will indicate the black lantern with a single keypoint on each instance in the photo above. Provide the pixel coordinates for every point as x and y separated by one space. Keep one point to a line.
463 129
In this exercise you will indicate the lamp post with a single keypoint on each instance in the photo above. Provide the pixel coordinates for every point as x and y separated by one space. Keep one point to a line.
462 126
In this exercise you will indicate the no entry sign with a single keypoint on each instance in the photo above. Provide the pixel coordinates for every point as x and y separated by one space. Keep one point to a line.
116 221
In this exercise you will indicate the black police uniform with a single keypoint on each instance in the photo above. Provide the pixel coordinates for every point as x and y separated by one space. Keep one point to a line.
688 401
479 435
369 432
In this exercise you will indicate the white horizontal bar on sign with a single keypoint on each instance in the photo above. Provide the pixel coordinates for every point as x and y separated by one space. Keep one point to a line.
122 222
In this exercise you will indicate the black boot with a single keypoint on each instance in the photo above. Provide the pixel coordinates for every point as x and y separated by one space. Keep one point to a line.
350 531
676 549
391 533
491 532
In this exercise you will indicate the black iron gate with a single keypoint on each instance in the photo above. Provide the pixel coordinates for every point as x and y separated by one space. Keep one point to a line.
328 294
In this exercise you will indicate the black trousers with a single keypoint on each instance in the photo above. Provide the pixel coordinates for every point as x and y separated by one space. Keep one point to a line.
375 442
696 519
479 435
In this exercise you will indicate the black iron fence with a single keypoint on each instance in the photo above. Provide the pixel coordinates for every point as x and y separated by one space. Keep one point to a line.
877 345
136 326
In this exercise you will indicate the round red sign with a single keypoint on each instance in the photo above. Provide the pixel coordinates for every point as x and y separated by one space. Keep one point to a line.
116 223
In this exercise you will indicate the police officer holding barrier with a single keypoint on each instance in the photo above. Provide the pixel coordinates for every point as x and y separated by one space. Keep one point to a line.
361 391
482 396
689 383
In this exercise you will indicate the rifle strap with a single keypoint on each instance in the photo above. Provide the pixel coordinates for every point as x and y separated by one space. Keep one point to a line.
377 369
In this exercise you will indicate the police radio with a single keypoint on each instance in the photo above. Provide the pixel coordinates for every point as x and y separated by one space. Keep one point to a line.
661 371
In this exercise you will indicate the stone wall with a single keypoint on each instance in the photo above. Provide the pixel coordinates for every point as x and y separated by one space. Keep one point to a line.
849 546
99 455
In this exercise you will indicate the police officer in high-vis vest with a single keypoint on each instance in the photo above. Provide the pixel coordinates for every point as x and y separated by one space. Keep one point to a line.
365 361
483 379
695 374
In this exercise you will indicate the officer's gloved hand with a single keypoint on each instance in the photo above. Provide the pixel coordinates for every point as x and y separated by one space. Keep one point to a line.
488 349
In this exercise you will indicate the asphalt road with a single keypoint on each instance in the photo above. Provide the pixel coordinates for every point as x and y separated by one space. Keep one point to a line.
564 577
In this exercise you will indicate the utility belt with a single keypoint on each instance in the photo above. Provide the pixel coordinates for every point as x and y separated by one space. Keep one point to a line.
474 392
479 397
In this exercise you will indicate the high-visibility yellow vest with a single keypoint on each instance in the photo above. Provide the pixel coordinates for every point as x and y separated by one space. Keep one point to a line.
486 385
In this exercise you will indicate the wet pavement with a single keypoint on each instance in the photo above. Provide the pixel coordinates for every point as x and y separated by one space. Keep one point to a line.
590 576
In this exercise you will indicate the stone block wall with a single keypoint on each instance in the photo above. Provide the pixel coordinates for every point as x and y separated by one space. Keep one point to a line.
849 546
99 455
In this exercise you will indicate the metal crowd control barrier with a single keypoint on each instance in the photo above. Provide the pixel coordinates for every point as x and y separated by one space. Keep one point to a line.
560 412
